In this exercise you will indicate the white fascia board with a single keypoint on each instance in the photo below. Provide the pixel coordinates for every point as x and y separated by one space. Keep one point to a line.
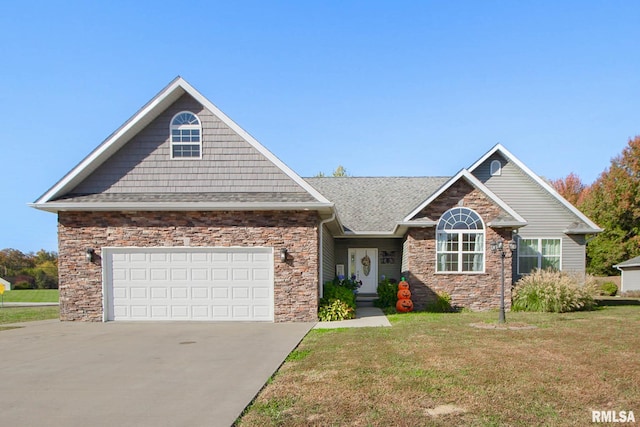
251 140
179 206
115 141
465 174
509 156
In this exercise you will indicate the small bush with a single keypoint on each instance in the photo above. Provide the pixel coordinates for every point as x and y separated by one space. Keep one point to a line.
333 291
550 291
387 294
335 309
338 302
22 286
608 289
442 304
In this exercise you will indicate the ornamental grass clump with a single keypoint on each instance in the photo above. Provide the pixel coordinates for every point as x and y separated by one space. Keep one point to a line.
550 291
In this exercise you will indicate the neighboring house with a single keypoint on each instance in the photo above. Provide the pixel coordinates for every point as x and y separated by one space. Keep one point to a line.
6 284
181 215
630 272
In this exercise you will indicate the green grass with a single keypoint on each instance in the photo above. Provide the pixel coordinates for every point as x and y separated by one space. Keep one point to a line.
553 375
31 295
27 314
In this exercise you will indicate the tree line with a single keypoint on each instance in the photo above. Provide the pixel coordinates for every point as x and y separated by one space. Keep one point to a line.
612 202
31 270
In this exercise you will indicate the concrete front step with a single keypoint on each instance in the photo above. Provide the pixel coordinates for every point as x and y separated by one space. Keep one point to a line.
365 300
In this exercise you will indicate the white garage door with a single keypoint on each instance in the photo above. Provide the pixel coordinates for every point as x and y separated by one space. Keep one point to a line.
188 283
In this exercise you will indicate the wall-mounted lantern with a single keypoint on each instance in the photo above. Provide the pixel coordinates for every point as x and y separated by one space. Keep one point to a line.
90 254
284 252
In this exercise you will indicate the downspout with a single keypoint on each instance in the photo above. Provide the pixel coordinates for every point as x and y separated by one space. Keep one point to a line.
321 257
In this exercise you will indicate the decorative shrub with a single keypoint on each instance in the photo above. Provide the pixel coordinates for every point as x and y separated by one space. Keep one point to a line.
550 291
22 286
338 301
442 304
608 289
387 293
344 282
333 291
335 309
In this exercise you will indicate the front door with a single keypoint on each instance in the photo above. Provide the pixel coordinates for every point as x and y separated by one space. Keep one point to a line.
363 263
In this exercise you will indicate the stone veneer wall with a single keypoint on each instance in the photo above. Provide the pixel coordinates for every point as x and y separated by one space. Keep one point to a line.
477 291
296 281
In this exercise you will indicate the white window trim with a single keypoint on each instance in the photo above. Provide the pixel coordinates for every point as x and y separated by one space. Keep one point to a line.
172 144
539 250
496 168
460 251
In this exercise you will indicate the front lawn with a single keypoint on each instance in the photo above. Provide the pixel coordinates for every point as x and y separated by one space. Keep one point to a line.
27 314
435 369
31 295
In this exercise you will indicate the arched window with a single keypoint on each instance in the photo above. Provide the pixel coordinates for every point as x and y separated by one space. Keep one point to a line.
496 168
186 140
460 242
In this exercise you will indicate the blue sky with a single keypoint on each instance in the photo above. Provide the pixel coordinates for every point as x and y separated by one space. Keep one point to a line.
384 88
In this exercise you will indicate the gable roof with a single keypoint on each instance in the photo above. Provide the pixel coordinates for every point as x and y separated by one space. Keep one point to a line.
633 262
590 228
374 205
515 219
54 198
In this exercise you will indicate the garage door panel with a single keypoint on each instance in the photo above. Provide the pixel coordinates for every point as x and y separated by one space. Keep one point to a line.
179 293
200 293
200 274
179 274
189 283
138 292
240 274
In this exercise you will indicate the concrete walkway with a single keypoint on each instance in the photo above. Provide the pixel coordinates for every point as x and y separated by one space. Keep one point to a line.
365 317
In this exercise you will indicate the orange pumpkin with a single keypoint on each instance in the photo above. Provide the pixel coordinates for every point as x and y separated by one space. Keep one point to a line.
403 285
404 294
404 305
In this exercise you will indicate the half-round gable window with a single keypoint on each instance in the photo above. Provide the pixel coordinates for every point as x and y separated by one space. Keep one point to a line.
496 168
460 242
186 136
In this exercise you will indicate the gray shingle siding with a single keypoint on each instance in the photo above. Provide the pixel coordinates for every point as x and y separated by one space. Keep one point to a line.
328 254
546 216
228 164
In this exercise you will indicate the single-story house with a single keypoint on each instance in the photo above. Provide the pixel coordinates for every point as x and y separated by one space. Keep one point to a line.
6 284
630 272
180 214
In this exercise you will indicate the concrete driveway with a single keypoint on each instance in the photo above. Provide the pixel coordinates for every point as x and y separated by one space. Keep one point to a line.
137 374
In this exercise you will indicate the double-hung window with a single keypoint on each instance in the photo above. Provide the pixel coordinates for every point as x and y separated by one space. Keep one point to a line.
539 254
186 136
460 236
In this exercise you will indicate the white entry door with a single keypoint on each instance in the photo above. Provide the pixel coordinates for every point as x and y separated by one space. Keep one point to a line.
363 263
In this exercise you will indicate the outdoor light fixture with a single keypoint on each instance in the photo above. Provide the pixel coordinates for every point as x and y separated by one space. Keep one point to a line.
90 254
495 247
283 254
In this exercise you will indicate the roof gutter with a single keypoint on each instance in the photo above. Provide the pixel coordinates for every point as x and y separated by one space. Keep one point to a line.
177 206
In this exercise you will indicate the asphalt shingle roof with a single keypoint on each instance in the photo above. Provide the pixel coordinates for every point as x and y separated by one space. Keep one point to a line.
375 203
